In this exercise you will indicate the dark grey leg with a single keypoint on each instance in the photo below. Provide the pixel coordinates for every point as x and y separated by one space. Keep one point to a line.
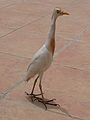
31 94
34 84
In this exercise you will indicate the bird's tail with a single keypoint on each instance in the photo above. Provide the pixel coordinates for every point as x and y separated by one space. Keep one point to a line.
27 77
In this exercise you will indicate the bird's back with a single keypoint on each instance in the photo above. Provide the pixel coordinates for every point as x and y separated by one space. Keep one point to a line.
40 62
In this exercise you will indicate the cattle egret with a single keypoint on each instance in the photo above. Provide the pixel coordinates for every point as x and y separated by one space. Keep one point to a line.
43 59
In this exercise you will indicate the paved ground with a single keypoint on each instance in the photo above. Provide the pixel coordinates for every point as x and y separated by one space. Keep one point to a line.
24 26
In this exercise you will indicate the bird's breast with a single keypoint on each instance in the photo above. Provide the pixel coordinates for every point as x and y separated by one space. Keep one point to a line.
52 46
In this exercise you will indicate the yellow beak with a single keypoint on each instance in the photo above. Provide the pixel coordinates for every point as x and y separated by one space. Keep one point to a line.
65 13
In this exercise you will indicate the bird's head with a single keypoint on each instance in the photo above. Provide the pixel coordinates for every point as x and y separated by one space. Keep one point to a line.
58 12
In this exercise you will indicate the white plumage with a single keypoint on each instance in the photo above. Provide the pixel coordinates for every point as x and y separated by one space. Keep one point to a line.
39 63
43 59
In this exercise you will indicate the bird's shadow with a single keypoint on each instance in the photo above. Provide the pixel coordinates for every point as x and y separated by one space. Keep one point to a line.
41 105
52 108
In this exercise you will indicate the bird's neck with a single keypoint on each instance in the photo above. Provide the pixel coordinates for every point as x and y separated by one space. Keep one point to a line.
50 42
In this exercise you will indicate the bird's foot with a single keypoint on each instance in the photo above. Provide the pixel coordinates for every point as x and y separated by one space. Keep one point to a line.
46 102
33 96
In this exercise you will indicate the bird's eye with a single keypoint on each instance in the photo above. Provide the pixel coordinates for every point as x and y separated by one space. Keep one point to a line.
58 11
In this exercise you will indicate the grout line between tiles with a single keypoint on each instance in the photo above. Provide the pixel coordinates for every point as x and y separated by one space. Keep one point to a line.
72 41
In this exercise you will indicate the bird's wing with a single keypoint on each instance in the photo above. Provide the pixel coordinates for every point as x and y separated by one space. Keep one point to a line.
39 57
32 69
33 62
40 62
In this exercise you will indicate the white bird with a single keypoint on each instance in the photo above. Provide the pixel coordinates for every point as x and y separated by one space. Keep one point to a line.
43 59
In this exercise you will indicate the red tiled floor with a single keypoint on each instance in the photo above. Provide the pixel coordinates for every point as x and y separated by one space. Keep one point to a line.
69 86
19 14
4 3
23 110
85 38
76 56
11 70
24 26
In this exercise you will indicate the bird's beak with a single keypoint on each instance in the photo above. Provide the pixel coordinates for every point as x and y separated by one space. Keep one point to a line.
65 13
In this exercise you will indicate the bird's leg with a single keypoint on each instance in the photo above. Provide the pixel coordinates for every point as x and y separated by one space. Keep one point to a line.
31 94
40 99
43 100
40 86
34 85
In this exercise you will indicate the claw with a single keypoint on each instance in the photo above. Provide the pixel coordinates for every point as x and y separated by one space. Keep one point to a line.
50 100
58 105
27 93
45 102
